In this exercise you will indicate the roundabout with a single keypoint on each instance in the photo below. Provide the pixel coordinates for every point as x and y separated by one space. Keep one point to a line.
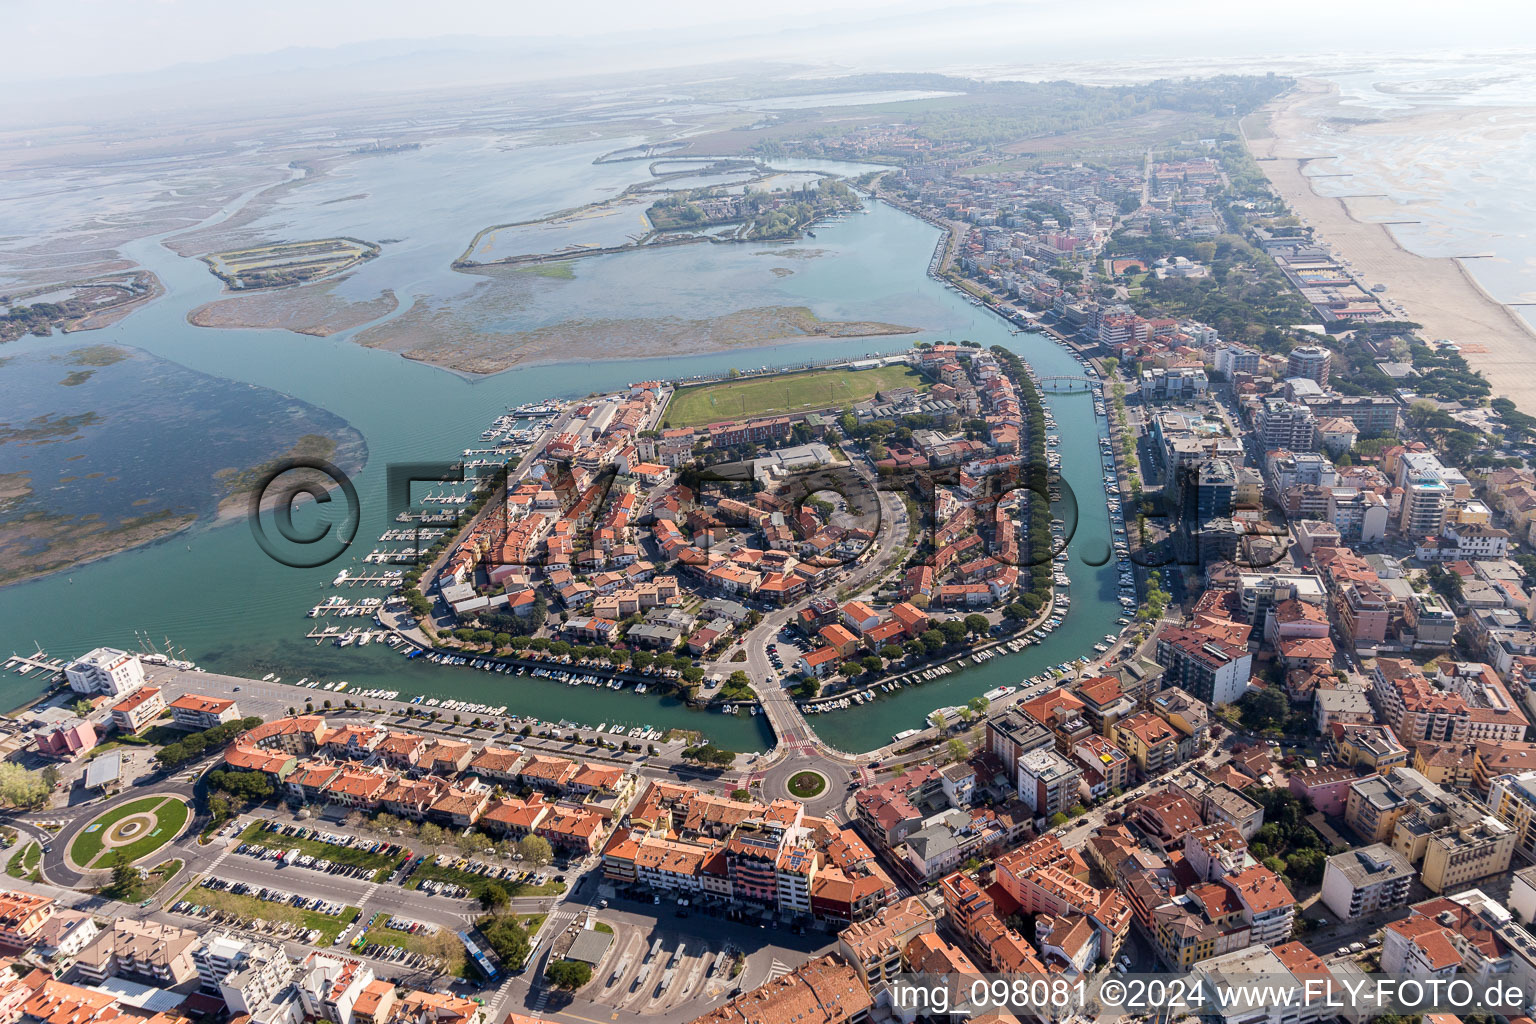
806 784
128 832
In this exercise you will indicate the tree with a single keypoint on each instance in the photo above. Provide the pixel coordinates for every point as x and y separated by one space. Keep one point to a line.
1306 866
977 623
472 843
954 630
494 897
431 835
20 787
1264 709
933 640
958 751
978 704
569 975
508 938
127 884
536 850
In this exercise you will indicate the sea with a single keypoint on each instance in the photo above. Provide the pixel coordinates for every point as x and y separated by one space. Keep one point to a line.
1468 192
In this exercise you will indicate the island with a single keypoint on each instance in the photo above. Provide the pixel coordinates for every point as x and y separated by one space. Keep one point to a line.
287 263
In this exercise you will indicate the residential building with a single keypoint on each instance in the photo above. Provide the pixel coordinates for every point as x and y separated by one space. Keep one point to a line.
823 991
194 711
135 711
1313 362
144 949
22 915
1048 782
1465 851
105 670
1212 669
1367 881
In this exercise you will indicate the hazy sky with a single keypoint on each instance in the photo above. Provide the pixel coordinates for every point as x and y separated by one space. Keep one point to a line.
74 38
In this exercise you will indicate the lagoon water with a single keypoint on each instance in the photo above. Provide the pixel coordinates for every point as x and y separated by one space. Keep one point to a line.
214 593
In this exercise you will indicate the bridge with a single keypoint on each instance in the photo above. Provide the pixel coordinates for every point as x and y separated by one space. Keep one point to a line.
1063 383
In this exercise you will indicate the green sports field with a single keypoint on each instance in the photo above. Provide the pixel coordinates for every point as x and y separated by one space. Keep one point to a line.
786 393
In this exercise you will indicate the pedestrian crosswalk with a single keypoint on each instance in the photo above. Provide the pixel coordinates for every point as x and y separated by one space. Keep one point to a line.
540 1001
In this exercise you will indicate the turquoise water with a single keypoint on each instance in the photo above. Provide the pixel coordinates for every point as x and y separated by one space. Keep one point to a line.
215 594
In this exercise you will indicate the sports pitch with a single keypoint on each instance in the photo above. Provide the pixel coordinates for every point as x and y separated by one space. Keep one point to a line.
785 393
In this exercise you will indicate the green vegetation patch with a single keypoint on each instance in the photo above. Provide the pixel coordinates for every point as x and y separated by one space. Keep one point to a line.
98 355
24 863
807 784
562 270
786 393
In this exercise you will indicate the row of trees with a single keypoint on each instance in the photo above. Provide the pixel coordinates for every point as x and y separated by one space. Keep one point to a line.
195 745
505 644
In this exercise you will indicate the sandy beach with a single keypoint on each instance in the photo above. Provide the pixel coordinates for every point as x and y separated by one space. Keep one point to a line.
1437 293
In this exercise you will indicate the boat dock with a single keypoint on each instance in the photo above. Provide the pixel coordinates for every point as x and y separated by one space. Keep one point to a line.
22 664
413 536
337 605
379 579
396 556
429 518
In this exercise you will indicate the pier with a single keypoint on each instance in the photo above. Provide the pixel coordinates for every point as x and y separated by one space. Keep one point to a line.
22 664
337 606
399 556
383 579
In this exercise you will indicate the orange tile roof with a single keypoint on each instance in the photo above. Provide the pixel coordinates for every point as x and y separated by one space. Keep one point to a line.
199 703
129 703
1260 889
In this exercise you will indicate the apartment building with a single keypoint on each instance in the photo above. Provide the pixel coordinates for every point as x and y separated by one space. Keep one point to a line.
875 946
105 670
142 949
1364 882
197 712
1465 851
1512 799
1048 782
134 712
1212 669
22 915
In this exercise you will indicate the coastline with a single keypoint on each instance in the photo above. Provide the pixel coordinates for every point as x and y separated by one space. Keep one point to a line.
1438 293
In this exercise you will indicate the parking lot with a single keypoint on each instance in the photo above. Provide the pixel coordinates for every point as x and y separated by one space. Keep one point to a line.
309 919
332 853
